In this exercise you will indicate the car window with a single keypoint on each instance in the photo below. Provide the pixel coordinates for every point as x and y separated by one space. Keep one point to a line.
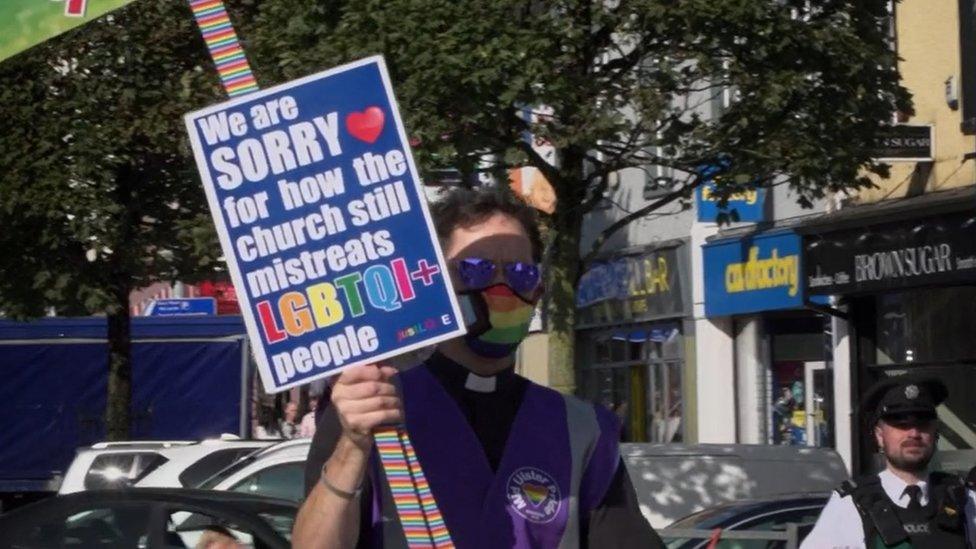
227 472
771 522
211 463
121 470
192 530
285 481
281 521
778 520
120 525
774 521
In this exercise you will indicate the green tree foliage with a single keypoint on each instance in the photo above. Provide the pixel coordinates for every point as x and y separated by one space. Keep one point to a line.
628 83
98 193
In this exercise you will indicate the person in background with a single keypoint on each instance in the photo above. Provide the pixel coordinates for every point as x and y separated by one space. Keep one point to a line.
267 427
217 537
289 424
307 427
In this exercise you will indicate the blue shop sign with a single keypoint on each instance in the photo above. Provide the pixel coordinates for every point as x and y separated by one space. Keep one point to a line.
748 206
753 274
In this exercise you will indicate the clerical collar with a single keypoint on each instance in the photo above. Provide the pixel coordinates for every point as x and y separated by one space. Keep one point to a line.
452 374
480 384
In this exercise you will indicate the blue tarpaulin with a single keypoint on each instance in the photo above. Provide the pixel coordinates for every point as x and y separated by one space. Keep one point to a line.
186 385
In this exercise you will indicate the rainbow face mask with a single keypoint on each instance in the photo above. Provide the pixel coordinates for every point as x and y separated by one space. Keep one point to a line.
503 318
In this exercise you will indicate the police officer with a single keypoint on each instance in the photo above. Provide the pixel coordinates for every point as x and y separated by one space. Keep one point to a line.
905 505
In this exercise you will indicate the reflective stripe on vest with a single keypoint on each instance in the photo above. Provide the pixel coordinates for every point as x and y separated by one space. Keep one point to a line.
583 434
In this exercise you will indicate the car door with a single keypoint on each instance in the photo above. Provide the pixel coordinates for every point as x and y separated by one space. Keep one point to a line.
131 520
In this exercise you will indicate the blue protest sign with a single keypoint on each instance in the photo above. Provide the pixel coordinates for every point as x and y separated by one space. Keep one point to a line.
323 223
748 206
183 306
753 274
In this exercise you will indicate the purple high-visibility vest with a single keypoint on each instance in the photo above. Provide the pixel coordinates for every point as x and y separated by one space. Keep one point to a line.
559 460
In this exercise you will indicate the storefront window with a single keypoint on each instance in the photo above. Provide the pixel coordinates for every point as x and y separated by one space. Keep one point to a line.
636 373
926 326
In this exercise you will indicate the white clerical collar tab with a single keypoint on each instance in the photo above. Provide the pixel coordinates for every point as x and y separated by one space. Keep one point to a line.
480 384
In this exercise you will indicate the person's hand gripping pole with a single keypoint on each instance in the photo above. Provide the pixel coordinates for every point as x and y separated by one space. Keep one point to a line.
370 409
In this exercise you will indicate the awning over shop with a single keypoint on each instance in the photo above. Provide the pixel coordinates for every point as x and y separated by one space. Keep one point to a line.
753 273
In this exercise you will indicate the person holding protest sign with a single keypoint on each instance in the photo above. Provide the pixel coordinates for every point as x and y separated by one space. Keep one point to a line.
510 463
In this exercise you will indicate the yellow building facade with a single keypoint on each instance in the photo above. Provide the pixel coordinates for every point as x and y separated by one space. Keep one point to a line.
898 262
927 38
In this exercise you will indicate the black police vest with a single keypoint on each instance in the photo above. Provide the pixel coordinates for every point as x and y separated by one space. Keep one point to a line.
938 525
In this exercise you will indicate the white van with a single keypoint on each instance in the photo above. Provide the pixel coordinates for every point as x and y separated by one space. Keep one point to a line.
675 480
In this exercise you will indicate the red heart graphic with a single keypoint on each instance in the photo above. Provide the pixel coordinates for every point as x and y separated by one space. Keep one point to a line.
367 125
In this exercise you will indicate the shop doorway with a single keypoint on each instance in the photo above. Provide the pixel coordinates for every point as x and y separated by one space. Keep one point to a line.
818 385
802 403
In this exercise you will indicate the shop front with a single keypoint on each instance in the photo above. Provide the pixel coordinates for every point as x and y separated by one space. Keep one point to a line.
630 339
783 374
909 287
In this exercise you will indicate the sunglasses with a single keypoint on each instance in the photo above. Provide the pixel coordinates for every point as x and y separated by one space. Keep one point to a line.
478 273
907 421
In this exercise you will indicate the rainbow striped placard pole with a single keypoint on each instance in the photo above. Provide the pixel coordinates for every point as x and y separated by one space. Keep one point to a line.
422 522
225 49
420 517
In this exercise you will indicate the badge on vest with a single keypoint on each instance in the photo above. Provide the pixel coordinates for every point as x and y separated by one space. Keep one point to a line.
534 495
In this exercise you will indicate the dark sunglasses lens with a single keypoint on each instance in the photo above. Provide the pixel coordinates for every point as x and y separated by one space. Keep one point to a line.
907 421
475 272
522 277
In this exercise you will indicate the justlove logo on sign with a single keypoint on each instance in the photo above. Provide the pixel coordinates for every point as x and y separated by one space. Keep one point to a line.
323 222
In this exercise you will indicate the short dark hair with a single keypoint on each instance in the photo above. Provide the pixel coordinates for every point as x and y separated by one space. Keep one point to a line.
462 207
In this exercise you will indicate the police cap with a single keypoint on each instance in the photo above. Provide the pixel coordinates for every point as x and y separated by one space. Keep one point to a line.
904 395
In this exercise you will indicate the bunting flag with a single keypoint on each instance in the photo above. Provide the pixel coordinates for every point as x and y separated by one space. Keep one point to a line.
225 49
26 23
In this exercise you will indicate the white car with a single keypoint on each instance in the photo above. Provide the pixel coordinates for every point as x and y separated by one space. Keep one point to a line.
276 471
182 463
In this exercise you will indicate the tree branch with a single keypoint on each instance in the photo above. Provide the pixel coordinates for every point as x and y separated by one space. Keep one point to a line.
606 233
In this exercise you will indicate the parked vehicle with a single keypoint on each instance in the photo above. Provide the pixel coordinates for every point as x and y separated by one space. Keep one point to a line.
164 464
276 471
189 382
189 466
676 480
775 515
146 518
